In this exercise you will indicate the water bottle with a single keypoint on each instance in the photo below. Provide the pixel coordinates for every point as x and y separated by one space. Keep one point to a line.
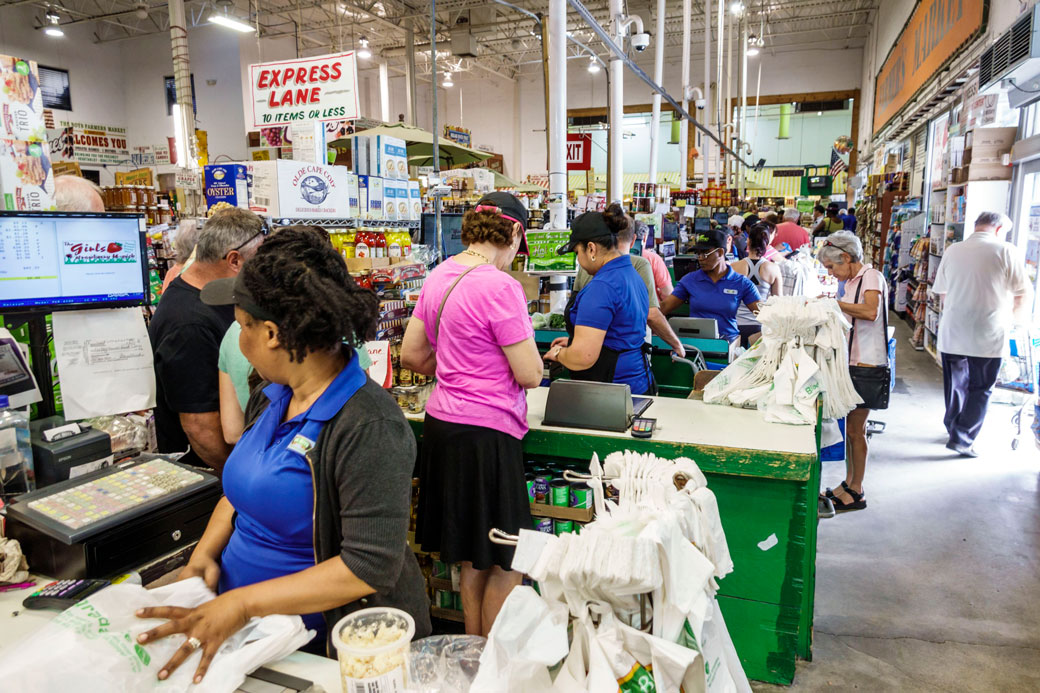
17 474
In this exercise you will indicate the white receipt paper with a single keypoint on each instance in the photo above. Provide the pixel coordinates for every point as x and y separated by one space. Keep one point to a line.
104 362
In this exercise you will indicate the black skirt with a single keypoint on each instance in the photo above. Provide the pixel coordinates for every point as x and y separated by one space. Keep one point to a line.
471 479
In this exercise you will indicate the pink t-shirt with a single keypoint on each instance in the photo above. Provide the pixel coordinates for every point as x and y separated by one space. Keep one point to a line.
662 280
869 341
792 234
486 311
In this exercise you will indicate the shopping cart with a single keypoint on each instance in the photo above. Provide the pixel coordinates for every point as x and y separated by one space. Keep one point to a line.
1019 373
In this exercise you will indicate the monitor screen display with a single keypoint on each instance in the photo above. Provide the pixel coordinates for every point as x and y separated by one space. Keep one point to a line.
669 231
684 264
451 230
61 261
722 218
701 224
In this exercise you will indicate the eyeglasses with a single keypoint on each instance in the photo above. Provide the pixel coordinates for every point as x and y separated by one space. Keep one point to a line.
706 254
264 231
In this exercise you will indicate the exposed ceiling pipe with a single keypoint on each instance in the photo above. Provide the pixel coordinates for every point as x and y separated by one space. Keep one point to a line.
655 109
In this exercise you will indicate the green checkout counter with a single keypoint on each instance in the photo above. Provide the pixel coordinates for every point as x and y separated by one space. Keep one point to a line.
673 379
766 477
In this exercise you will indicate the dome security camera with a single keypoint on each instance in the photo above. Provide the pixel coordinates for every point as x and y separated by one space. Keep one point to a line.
640 42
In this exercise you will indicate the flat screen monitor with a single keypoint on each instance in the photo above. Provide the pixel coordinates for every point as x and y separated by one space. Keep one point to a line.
64 261
722 218
701 224
684 264
669 230
451 230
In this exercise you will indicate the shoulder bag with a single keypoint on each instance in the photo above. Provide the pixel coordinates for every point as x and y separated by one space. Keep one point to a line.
440 310
873 383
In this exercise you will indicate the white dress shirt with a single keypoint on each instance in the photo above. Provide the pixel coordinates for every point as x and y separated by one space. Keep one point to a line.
979 276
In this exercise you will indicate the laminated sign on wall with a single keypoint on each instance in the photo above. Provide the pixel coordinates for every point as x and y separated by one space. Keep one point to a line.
98 145
297 91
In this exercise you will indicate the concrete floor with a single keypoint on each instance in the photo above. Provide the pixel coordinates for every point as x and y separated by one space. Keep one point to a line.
936 585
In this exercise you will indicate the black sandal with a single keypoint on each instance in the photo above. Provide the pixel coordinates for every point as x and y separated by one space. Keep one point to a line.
830 492
858 502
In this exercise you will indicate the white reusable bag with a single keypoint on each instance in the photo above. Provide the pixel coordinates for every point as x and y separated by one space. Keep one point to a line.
92 646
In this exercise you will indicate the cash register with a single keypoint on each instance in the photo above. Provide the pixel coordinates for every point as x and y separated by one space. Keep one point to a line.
113 520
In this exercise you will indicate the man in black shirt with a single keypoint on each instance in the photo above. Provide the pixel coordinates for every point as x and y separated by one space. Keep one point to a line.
186 334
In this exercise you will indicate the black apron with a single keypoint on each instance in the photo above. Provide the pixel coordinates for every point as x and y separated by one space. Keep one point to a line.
605 367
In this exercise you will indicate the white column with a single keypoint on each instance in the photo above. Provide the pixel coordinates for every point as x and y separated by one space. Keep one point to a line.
655 113
615 191
684 128
557 114
384 92
705 158
409 74
185 122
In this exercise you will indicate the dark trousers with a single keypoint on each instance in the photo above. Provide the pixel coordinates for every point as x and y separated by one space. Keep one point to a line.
967 383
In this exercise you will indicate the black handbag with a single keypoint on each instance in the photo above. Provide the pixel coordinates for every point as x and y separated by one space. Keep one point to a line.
873 383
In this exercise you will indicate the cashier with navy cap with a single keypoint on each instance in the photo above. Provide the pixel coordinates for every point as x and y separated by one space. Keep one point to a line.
314 520
714 291
606 320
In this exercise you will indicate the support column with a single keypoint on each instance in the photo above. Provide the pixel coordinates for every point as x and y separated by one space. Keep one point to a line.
684 129
655 112
615 185
705 158
185 122
409 74
557 114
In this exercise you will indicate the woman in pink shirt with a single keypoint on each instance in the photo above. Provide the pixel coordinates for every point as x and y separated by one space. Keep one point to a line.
662 279
471 330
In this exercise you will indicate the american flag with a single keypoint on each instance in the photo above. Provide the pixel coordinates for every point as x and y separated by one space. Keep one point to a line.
837 165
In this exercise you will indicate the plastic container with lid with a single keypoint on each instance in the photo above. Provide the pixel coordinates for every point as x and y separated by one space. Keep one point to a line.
372 646
363 244
379 244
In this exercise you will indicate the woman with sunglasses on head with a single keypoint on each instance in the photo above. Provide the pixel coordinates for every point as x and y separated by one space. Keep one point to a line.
606 320
715 290
471 330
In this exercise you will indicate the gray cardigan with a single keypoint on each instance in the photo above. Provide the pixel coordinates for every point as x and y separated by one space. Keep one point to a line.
362 467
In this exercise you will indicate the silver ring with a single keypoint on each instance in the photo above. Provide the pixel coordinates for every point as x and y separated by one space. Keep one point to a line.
194 643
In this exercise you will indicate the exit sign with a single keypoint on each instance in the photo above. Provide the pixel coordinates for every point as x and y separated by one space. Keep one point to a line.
579 152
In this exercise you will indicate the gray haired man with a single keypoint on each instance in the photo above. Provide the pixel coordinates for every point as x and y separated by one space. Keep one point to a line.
186 334
984 283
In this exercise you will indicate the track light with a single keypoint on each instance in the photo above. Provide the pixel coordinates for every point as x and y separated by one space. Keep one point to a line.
364 53
593 65
52 28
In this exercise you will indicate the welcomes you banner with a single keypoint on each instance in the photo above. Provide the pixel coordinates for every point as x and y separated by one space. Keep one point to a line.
304 90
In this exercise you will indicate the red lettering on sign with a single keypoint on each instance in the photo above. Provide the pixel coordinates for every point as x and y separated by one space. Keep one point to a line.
261 83
336 72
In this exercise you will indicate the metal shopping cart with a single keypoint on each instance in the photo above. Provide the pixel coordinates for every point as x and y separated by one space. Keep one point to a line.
1019 373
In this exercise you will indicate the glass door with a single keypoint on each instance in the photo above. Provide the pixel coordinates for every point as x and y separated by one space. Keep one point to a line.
1027 225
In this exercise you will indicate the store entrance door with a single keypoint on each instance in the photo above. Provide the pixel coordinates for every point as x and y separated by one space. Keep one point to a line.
1027 225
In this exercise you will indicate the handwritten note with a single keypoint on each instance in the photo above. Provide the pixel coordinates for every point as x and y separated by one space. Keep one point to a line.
104 362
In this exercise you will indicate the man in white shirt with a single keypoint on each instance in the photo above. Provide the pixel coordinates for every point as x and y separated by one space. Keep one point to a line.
984 282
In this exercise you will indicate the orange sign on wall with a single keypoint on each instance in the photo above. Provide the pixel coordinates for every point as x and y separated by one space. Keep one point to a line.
936 29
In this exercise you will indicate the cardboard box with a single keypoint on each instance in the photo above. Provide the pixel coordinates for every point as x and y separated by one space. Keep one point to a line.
390 200
353 196
390 159
403 206
371 197
977 172
415 200
999 138
361 147
26 177
21 101
227 183
303 190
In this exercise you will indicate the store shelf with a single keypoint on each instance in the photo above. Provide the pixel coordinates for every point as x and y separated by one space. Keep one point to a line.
560 513
447 614
441 584
350 223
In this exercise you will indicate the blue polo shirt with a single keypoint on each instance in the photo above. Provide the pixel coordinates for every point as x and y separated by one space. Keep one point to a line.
616 300
268 481
717 300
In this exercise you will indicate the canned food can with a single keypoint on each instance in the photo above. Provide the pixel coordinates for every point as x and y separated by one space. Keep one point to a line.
543 524
560 490
440 569
444 599
541 487
457 599
580 495
529 478
562 527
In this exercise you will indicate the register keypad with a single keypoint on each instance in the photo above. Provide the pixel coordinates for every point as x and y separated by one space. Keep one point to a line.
110 495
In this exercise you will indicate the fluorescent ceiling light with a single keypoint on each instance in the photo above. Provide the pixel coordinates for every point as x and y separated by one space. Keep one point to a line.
593 66
230 23
448 82
364 53
52 28
752 51
736 7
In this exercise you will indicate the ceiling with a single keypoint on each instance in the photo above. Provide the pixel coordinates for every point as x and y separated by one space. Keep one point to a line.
507 39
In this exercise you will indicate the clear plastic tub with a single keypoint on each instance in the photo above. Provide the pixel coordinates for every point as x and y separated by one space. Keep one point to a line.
372 645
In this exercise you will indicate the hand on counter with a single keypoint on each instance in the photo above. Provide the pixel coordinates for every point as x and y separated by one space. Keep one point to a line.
207 627
203 567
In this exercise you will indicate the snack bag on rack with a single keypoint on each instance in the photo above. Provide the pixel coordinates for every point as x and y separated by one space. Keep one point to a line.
642 663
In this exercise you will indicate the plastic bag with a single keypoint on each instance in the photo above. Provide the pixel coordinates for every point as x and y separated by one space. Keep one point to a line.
92 646
444 663
527 638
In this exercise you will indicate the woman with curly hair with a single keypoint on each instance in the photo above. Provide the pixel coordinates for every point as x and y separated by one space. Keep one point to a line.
314 520
471 329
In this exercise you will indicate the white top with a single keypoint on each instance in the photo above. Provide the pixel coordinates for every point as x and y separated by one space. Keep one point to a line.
979 276
869 341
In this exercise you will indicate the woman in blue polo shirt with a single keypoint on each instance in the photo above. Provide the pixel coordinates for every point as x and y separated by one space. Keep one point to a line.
715 290
606 321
